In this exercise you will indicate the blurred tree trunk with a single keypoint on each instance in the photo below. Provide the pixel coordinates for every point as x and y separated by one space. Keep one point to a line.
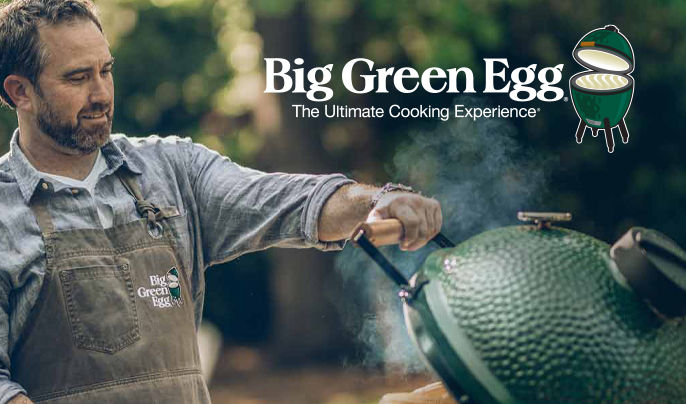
305 284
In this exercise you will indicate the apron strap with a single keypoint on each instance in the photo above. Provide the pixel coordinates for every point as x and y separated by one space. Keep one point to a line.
130 184
40 212
145 208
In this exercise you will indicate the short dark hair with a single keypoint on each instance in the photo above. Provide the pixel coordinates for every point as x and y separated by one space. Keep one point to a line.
21 51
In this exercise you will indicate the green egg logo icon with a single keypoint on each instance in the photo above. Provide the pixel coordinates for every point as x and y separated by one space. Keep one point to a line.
174 285
602 94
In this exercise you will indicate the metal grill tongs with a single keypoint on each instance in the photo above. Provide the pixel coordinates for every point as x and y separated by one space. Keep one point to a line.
369 235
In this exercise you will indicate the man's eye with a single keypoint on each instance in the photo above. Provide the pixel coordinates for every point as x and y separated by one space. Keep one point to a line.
77 79
106 72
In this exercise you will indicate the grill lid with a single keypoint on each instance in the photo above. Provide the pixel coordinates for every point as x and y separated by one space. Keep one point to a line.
527 314
605 50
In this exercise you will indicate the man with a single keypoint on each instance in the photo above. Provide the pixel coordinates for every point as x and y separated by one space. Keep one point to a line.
104 239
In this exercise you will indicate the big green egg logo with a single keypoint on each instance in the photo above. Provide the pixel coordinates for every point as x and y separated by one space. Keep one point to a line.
164 291
602 95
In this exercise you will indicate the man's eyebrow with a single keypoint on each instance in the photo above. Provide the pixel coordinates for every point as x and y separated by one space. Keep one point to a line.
86 69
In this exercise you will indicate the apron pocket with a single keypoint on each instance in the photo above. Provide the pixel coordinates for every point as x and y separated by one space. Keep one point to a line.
101 307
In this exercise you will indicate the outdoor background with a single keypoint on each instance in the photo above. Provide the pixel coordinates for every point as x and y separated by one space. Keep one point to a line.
309 327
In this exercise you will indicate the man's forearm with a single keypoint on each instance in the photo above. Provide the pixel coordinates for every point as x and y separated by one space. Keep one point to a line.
346 208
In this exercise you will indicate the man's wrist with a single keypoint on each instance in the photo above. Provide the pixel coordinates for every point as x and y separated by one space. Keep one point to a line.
390 187
347 207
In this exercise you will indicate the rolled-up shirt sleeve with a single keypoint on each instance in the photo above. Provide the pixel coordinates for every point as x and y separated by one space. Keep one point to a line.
242 210
8 388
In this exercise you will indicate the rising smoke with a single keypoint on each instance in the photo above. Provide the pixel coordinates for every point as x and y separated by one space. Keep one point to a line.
482 177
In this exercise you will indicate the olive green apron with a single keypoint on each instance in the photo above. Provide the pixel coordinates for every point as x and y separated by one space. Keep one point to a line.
114 320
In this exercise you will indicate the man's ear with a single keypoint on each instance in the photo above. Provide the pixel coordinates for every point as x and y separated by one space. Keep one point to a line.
18 89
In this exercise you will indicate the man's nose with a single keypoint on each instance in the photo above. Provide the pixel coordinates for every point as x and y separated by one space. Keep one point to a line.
101 91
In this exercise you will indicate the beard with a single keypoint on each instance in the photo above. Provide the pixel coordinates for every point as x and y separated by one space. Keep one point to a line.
75 137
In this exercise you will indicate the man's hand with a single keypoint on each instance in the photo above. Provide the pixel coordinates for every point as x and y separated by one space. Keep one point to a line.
421 217
351 204
20 399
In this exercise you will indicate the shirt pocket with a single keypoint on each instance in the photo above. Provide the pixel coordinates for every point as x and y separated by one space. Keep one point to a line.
101 307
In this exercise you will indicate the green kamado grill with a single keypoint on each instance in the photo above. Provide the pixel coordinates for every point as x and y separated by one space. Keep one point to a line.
602 95
543 314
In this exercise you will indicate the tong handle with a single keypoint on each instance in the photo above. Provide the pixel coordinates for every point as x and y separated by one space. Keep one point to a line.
389 232
380 233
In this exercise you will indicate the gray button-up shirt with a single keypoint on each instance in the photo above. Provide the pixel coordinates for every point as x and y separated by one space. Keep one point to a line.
230 210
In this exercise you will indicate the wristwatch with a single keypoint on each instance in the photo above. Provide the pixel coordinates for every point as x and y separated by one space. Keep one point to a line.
391 187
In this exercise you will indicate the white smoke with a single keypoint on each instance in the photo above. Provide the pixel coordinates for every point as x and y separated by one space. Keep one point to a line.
482 177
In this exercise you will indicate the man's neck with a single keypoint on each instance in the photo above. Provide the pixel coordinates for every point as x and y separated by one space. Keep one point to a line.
49 157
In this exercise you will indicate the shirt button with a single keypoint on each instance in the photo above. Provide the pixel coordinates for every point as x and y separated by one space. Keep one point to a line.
45 186
74 191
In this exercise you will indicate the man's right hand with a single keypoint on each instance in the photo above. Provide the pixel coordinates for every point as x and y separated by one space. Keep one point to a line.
20 399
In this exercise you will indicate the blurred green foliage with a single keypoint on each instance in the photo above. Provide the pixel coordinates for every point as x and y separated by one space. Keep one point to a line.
166 69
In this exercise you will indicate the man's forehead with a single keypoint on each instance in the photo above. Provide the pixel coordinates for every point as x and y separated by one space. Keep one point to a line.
74 44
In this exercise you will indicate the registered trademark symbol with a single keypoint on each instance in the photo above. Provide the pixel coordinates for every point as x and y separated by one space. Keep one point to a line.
538 110
566 99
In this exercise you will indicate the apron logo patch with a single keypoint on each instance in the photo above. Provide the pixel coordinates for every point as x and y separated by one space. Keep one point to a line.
164 291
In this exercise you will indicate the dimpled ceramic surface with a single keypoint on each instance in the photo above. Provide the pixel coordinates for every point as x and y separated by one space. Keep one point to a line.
549 320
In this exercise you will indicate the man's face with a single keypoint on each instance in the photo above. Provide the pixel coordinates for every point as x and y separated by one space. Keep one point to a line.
75 101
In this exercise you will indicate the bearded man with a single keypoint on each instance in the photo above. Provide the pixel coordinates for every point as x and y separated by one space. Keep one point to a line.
104 238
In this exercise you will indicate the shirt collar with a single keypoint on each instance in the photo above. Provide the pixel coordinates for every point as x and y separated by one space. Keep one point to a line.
29 178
